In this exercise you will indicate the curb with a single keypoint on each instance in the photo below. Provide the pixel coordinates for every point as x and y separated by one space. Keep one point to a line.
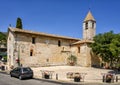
68 83
58 81
76 83
4 72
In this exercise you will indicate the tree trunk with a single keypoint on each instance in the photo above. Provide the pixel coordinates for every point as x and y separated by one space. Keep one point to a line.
111 62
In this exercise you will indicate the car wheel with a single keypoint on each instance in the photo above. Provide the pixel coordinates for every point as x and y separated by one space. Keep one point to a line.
11 75
20 77
31 77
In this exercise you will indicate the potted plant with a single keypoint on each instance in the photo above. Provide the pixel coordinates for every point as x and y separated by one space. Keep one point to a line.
46 75
109 78
77 77
72 60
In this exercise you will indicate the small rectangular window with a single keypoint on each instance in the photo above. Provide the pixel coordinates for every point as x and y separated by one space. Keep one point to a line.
92 24
70 45
59 43
33 40
78 49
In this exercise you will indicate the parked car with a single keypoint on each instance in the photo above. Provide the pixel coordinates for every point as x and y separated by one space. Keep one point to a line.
22 72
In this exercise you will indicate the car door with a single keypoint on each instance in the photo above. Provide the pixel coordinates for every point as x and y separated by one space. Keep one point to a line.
17 72
13 72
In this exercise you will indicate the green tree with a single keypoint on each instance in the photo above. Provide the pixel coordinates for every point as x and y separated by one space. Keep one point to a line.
107 46
3 39
19 23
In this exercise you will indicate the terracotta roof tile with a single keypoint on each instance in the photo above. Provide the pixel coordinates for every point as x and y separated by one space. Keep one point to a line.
89 17
40 33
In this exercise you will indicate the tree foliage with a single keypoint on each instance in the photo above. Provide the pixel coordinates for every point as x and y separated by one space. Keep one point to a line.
3 39
107 46
19 23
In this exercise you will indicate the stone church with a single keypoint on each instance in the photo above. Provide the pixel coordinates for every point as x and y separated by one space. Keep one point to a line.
41 49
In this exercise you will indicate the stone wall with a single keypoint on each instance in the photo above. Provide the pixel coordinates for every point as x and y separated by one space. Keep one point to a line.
45 50
85 58
10 49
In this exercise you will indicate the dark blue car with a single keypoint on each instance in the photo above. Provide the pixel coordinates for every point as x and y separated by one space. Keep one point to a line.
22 72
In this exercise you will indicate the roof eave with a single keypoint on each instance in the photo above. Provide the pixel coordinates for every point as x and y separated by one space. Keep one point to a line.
42 34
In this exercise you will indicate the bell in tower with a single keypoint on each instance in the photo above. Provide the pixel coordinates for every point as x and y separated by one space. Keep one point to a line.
89 27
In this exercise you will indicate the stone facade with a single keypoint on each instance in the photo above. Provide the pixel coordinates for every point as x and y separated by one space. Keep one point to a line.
40 49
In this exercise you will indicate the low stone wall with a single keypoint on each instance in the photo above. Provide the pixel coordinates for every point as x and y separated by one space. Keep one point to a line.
93 74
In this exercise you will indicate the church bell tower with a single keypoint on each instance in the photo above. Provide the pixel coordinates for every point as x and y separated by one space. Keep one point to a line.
89 27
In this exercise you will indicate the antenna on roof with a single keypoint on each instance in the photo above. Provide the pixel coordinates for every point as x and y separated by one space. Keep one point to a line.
89 6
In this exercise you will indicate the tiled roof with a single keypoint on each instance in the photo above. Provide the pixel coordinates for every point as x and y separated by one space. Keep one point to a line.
16 30
89 17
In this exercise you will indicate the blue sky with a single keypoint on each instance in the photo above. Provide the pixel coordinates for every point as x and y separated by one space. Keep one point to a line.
61 17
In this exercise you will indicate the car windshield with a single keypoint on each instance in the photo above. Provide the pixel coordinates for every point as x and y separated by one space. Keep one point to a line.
26 69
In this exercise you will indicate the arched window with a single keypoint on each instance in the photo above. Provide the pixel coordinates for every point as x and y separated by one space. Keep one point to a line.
86 25
31 52
92 24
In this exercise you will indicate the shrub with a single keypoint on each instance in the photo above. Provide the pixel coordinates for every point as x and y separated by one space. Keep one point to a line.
72 60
